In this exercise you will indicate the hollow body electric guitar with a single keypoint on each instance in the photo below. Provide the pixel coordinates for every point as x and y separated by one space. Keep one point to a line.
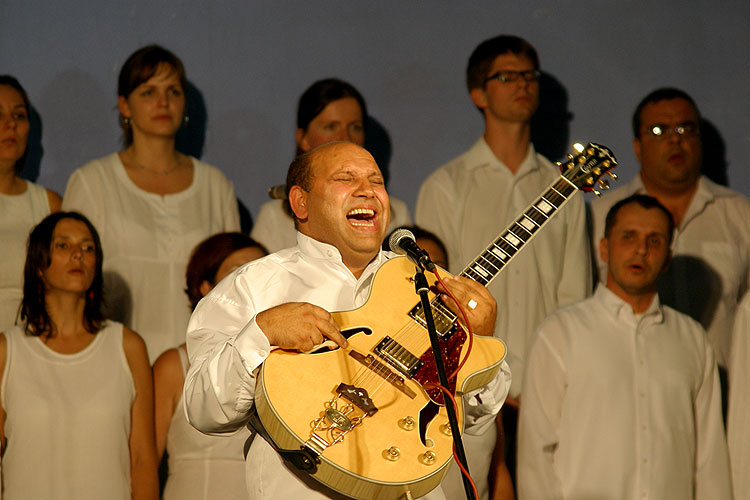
367 420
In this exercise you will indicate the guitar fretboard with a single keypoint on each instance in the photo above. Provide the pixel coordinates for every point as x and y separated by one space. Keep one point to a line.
501 251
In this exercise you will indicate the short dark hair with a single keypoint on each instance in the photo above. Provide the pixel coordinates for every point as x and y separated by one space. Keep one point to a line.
320 94
418 233
298 174
484 55
138 68
207 258
644 201
33 305
660 94
12 82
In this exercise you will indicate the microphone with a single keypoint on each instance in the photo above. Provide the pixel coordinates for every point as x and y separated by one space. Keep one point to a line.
277 192
402 242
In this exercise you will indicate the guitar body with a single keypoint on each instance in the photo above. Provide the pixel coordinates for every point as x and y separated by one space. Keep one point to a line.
383 456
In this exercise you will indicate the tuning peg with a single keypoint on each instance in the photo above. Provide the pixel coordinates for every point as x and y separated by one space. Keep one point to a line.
597 193
570 157
604 184
613 175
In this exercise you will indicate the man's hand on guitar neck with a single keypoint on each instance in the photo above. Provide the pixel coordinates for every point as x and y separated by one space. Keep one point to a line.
298 325
482 316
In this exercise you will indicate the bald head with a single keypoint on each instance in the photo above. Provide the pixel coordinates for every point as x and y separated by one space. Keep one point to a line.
338 196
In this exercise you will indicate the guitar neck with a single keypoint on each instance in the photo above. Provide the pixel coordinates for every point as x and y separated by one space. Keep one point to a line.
491 261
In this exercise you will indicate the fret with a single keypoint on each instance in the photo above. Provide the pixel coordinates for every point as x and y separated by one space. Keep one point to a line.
554 198
498 253
536 214
545 208
511 238
528 223
566 186
480 270
520 231
489 266
470 273
505 247
492 259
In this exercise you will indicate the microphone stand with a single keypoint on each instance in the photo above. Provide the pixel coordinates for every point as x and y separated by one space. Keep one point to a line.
420 283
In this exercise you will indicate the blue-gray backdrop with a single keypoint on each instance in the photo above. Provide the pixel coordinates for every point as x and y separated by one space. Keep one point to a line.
248 62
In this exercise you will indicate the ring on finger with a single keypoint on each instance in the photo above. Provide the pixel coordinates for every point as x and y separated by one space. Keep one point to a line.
472 304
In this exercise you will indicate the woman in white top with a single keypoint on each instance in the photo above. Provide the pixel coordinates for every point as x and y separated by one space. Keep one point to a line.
201 467
22 203
151 203
329 110
77 398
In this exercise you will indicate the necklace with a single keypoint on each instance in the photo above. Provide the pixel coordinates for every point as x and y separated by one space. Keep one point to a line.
165 171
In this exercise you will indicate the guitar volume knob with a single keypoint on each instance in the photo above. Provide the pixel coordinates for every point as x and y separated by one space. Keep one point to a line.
392 454
407 423
428 458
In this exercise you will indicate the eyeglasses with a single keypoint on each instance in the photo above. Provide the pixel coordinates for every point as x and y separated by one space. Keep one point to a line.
687 129
531 75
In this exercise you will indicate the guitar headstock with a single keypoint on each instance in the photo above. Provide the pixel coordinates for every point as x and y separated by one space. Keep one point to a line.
587 167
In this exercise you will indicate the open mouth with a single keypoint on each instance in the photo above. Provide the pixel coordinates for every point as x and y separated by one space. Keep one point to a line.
361 217
638 268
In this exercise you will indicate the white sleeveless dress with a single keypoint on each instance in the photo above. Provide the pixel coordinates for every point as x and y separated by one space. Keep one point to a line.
203 467
19 213
68 419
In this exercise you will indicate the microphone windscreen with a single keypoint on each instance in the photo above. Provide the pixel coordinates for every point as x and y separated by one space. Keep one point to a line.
397 236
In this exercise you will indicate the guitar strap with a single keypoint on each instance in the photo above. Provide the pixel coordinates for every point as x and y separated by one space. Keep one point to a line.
302 459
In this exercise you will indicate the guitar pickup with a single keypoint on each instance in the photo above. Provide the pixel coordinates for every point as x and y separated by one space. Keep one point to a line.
444 319
376 366
397 356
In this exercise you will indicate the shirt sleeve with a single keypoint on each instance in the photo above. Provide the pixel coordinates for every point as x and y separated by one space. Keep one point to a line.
226 347
539 420
483 404
712 474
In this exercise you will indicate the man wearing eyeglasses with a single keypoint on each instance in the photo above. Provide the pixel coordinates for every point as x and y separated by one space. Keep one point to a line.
469 201
711 267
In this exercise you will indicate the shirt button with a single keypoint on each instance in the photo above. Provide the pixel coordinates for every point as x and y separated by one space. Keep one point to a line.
262 354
